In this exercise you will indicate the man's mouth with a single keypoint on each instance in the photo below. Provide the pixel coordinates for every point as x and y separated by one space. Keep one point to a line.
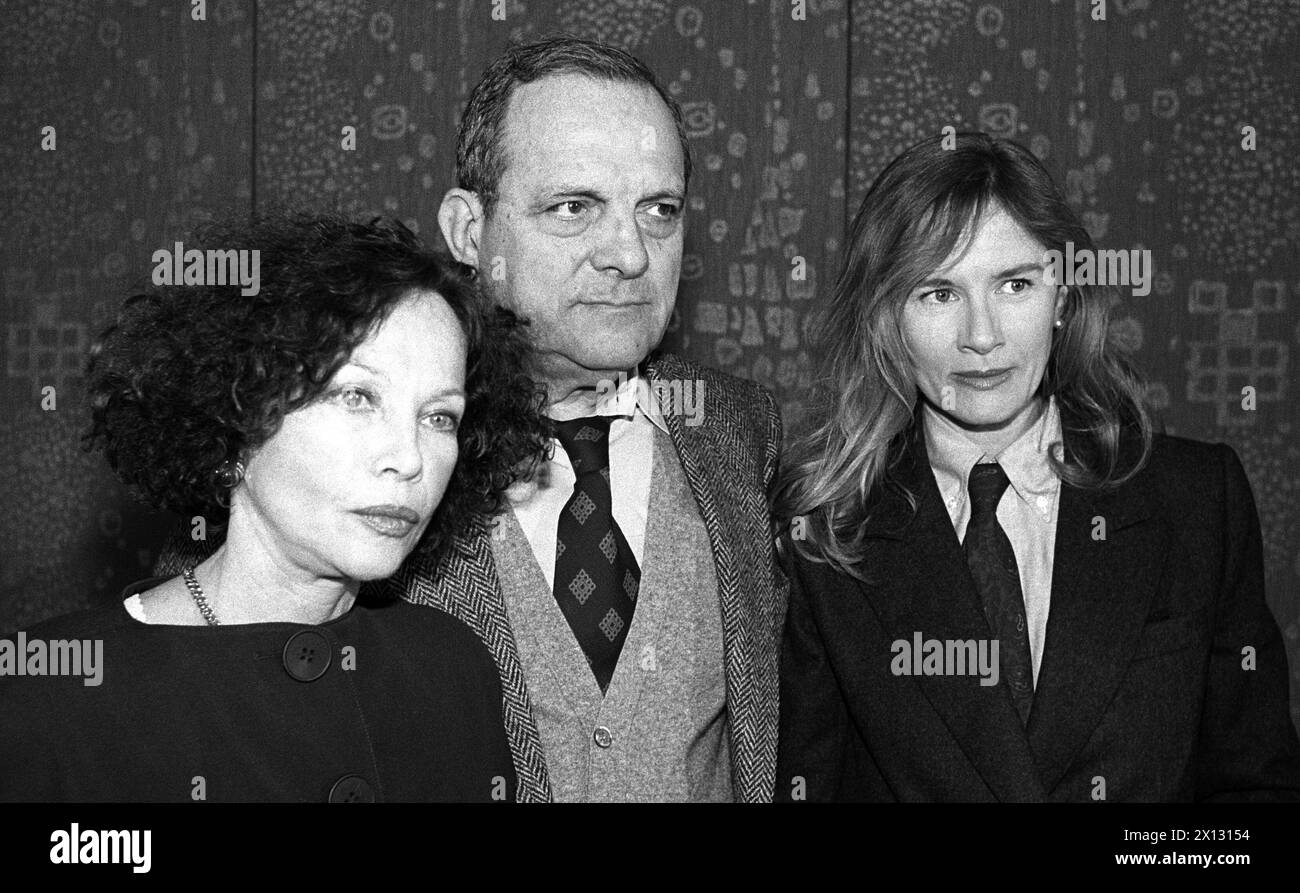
616 305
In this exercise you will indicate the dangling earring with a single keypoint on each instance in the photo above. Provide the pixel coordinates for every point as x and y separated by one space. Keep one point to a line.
227 476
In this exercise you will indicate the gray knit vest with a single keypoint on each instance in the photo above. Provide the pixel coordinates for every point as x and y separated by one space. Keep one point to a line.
660 732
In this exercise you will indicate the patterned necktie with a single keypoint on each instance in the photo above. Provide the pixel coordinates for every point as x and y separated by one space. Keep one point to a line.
997 579
596 574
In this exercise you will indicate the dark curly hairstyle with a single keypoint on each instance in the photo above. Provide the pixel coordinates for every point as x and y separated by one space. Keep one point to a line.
191 376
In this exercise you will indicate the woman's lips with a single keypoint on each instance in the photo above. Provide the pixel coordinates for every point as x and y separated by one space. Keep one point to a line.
983 380
394 521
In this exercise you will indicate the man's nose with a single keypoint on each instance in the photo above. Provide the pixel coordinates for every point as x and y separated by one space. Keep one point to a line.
622 246
981 330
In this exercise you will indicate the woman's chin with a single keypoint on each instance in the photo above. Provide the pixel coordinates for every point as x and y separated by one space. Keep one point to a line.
992 412
372 565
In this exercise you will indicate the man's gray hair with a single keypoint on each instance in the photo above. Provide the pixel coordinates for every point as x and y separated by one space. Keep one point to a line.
480 153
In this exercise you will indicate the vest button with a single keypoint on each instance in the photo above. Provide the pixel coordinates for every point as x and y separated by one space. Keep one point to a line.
603 737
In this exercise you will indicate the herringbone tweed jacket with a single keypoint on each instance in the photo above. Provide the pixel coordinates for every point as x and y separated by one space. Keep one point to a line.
730 461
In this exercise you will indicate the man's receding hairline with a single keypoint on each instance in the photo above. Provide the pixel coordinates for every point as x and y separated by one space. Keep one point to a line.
512 96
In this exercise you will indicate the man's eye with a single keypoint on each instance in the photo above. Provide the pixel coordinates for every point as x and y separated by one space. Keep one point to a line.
569 210
665 210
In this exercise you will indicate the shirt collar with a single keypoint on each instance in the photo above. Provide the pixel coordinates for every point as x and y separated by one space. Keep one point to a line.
625 396
952 455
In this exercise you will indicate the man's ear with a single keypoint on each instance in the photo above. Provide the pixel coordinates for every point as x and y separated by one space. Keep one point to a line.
1062 293
460 217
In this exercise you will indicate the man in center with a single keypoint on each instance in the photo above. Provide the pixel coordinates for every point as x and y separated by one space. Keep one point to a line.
641 602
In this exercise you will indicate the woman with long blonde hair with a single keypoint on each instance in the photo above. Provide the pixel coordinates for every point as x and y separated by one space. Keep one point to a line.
1005 585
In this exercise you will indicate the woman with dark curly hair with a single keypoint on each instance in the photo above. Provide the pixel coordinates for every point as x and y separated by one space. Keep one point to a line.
364 403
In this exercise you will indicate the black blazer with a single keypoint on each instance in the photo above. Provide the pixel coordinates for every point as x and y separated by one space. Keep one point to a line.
1141 694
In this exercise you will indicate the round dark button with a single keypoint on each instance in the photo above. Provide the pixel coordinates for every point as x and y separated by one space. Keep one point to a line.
307 655
352 789
603 737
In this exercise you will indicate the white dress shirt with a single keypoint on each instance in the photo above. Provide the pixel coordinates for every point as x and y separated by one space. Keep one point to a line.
537 503
1027 510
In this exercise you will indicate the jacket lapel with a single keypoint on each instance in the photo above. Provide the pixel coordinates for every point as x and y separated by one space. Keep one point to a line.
1101 593
728 503
918 582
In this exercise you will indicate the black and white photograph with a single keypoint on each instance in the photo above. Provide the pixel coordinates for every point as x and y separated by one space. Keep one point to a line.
776 403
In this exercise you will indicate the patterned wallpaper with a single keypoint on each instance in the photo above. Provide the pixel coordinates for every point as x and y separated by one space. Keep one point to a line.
792 108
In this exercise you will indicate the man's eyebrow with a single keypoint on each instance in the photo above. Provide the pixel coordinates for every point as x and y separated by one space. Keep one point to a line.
552 192
676 195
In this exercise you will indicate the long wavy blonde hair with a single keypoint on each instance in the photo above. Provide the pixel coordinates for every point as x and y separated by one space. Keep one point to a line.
866 400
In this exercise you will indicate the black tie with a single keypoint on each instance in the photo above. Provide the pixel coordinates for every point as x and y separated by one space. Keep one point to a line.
596 574
997 579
